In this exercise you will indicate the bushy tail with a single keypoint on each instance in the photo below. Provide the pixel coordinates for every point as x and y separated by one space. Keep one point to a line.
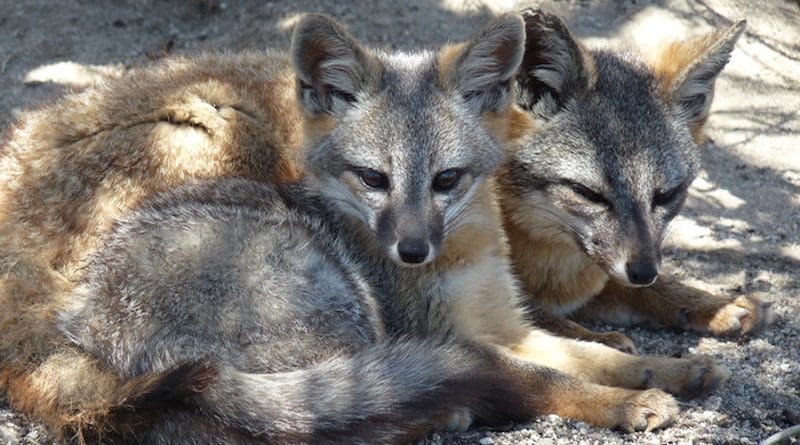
47 378
388 393
81 402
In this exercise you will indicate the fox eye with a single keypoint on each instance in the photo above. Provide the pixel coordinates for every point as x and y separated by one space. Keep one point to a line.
343 95
662 198
374 179
589 194
446 180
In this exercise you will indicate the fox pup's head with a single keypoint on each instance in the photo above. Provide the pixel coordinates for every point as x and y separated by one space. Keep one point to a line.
614 143
397 140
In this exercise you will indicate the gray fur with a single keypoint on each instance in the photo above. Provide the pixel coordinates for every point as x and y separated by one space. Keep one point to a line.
603 125
332 68
484 71
554 67
292 291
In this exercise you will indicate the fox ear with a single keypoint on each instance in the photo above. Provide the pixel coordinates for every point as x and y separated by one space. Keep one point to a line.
331 66
555 67
687 69
482 70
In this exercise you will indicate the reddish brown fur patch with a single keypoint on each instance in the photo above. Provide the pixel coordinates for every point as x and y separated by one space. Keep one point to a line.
520 123
447 56
539 262
469 244
671 61
318 127
697 131
508 125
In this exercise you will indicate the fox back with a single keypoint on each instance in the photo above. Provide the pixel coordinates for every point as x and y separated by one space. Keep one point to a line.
612 150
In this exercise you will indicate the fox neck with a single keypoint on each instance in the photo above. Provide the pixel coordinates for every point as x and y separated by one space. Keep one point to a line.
552 269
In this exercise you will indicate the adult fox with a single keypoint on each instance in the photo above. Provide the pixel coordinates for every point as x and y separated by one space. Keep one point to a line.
394 240
601 170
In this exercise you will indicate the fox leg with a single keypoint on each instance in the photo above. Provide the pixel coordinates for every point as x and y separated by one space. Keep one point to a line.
550 391
556 324
597 363
671 303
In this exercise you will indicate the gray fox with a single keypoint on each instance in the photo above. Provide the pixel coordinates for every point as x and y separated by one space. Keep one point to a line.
373 300
610 150
69 169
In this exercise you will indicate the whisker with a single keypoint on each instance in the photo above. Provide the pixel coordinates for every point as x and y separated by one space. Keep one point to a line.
457 220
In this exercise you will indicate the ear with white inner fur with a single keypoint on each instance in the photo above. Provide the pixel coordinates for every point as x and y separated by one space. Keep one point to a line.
332 68
695 65
483 72
555 67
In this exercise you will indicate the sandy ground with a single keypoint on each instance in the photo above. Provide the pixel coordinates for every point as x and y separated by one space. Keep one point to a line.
737 234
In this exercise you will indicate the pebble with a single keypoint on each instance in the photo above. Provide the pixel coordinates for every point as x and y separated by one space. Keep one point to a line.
486 441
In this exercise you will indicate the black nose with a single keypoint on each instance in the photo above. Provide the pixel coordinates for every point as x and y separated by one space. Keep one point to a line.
641 272
412 250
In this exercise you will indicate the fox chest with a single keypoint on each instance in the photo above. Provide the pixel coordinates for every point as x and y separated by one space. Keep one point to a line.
475 300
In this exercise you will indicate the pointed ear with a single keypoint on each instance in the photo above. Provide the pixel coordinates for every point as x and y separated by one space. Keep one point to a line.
332 68
555 67
482 70
686 71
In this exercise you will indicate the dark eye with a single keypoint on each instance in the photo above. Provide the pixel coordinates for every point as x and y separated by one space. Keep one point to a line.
343 95
662 198
588 194
374 179
446 180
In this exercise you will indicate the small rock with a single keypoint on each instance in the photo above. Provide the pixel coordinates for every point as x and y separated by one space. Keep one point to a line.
486 441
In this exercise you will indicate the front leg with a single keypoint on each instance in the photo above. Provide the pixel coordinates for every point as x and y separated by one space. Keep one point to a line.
556 324
490 313
545 390
580 380
668 302
597 363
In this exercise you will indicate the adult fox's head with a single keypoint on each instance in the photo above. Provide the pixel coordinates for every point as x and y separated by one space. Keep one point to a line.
400 140
613 148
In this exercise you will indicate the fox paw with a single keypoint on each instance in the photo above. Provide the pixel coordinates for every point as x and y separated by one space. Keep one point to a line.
746 314
617 341
459 421
687 377
648 410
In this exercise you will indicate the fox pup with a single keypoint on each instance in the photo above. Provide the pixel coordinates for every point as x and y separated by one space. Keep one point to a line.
368 303
592 186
